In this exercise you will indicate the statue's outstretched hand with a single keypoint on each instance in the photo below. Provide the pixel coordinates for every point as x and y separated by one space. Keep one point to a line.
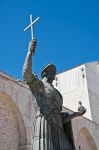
81 110
32 45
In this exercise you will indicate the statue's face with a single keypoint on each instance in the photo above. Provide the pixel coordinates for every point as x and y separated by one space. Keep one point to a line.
51 75
49 71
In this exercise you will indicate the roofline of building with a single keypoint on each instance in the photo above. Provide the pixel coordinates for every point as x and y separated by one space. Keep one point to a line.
11 78
76 67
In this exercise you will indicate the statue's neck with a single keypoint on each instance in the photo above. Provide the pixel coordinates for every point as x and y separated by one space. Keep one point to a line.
45 79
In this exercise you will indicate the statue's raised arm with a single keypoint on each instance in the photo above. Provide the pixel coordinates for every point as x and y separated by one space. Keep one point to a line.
28 74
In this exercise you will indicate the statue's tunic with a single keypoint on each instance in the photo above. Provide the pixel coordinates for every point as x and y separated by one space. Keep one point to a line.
48 133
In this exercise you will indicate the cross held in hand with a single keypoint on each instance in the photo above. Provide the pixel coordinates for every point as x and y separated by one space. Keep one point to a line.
31 26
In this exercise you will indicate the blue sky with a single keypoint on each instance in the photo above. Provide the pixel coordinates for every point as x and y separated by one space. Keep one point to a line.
67 33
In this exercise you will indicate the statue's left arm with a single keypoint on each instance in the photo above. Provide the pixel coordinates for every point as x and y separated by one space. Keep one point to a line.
66 117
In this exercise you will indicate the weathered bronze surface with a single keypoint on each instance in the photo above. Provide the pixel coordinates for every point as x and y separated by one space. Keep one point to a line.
48 128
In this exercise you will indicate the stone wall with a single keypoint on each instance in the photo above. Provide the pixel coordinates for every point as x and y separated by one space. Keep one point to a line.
16 105
92 72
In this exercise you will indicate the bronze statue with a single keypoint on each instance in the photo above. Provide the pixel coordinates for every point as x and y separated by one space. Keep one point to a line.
48 125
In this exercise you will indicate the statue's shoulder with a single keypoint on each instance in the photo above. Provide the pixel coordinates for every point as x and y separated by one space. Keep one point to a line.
36 83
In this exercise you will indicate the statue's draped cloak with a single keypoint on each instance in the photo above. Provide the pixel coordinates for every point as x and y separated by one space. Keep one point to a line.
48 132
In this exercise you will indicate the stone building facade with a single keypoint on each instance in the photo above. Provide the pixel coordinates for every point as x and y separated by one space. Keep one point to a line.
17 115
81 84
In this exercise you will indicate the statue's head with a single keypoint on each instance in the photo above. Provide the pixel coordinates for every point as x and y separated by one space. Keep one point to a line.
49 71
